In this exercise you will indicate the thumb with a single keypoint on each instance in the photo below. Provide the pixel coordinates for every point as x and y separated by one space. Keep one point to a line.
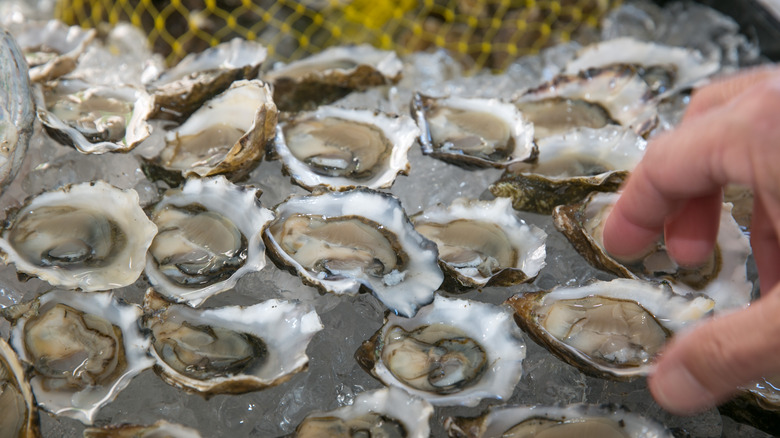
706 366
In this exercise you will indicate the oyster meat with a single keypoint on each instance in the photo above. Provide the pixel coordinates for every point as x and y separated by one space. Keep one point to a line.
453 352
83 348
18 413
344 148
483 243
91 236
210 235
344 241
229 350
160 429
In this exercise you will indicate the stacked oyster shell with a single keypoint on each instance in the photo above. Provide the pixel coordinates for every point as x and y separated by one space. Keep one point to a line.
198 133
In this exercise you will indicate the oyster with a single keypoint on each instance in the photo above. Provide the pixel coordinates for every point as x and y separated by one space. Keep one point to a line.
593 98
723 277
91 236
343 148
210 234
473 132
51 48
227 135
578 420
83 348
570 166
387 413
342 242
608 329
453 352
94 119
229 349
18 413
160 429
16 109
757 404
331 74
182 89
483 243
666 69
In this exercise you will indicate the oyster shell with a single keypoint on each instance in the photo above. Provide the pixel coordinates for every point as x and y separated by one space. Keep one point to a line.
228 134
453 352
473 132
229 349
331 74
723 277
344 148
483 243
210 235
593 99
160 429
666 69
51 48
182 89
83 348
578 420
94 119
91 236
16 109
757 404
570 166
18 413
343 242
387 412
608 329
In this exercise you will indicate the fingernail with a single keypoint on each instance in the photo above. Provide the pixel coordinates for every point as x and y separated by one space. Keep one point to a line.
679 392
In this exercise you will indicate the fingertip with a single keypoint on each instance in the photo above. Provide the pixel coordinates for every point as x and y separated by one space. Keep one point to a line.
691 234
676 390
624 240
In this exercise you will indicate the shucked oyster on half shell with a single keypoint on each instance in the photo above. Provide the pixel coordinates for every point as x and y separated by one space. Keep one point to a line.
91 236
573 421
570 166
209 235
483 243
231 349
723 277
83 349
181 89
94 119
343 242
345 148
757 404
331 74
18 413
160 429
473 132
608 329
453 352
228 134
594 98
386 413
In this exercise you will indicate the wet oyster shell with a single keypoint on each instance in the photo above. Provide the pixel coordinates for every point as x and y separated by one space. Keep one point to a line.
570 166
182 89
758 405
160 429
98 349
723 277
386 412
608 329
331 74
274 335
345 148
466 351
374 247
605 421
18 413
473 132
91 236
16 109
193 223
483 243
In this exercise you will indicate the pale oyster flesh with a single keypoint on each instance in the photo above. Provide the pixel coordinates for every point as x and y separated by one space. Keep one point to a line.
18 414
17 111
160 429
84 349
91 236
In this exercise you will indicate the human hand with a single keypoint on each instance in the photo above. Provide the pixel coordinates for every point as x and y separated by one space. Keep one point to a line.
729 134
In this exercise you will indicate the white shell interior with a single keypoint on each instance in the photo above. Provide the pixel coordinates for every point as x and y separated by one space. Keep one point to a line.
384 61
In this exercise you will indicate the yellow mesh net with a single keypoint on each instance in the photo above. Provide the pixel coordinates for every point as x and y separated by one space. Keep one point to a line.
480 33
